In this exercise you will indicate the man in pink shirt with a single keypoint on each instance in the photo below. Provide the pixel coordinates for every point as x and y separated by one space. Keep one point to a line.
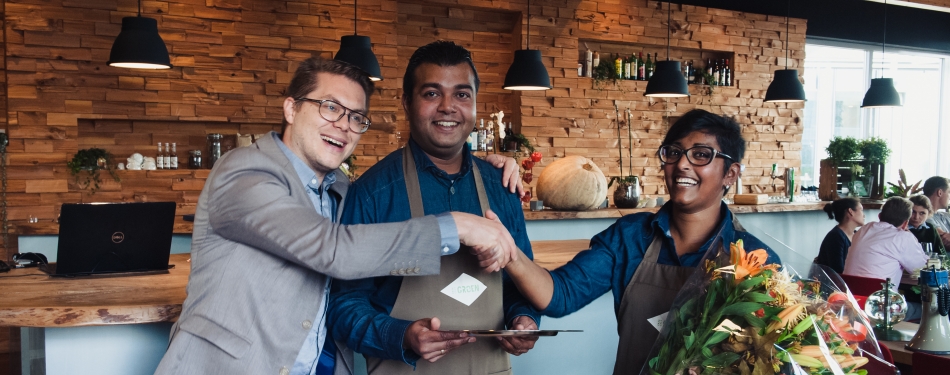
882 249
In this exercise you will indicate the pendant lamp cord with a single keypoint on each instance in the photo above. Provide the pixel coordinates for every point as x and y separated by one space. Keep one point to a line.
788 11
884 39
528 19
354 16
669 26
140 8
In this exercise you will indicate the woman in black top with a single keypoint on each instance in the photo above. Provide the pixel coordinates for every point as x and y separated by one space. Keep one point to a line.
849 214
918 223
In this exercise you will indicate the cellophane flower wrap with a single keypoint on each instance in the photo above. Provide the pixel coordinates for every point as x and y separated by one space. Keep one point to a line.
738 315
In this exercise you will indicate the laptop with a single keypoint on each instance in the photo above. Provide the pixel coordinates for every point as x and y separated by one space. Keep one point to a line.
113 238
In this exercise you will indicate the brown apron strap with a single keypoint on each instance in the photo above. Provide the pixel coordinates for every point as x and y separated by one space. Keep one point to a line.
413 189
421 297
649 293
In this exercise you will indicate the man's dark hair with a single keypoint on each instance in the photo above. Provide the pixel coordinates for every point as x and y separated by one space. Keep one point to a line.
441 53
922 201
726 130
305 78
896 211
935 183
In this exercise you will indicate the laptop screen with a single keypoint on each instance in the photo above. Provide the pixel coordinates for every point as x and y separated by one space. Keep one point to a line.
114 237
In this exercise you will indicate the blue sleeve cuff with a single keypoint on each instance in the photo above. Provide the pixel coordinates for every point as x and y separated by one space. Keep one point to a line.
450 234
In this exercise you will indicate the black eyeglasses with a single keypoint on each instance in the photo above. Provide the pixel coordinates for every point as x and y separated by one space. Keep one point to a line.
333 112
697 155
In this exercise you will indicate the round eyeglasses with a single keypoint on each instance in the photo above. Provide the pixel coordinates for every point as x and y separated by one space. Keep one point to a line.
332 111
697 155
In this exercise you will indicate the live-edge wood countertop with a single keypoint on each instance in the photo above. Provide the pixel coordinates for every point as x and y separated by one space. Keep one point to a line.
33 299
185 227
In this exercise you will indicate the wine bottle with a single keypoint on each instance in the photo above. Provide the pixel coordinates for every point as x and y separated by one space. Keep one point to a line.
174 156
168 157
641 68
160 158
649 67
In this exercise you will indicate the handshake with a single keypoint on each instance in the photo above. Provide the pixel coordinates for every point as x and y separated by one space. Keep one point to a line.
488 238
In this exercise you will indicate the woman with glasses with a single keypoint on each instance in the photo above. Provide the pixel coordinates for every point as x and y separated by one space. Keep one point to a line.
849 213
645 258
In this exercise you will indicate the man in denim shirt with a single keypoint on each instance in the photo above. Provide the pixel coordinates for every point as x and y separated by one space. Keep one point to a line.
394 320
645 258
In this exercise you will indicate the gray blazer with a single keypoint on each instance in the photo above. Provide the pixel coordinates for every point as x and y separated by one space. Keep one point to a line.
261 256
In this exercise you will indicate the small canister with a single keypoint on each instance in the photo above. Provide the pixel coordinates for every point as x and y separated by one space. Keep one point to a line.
194 162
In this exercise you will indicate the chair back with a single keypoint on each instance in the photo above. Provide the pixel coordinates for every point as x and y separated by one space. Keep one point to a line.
876 366
863 286
930 364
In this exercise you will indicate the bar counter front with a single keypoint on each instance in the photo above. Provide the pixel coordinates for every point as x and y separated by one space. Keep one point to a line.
120 325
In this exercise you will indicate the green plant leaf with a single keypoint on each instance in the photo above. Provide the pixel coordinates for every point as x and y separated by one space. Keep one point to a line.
716 338
721 360
757 297
741 308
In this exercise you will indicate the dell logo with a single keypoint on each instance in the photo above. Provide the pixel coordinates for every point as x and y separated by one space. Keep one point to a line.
118 237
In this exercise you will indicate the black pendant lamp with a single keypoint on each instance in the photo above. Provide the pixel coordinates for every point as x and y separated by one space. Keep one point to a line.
785 86
882 92
527 72
667 80
138 45
357 50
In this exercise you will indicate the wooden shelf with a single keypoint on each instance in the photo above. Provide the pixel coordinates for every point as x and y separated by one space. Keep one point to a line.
608 49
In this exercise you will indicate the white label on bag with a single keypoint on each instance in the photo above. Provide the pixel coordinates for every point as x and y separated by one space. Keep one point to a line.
658 321
465 289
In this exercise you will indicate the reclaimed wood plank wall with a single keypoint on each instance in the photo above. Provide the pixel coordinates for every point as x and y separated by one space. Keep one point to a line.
233 59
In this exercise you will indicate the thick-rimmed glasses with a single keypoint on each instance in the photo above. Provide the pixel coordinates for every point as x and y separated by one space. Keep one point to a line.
333 112
697 155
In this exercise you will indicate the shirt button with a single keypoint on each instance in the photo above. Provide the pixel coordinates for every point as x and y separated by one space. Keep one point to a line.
307 324
445 249
284 371
415 270
394 272
313 181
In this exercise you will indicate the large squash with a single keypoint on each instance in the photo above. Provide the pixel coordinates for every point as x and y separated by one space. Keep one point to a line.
573 183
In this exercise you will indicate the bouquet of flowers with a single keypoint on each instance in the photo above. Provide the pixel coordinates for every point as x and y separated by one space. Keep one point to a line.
742 316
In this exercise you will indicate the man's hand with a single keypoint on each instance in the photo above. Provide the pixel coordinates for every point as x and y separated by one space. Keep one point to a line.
520 345
511 176
423 337
488 238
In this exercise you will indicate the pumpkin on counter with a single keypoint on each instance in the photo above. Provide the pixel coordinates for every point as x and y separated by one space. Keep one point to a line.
573 183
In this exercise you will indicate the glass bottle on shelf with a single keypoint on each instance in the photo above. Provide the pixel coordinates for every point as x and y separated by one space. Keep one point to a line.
728 79
649 67
641 68
174 156
214 149
168 157
160 158
716 73
627 66
482 136
473 139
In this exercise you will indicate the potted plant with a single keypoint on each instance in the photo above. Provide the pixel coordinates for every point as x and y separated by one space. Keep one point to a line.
875 153
841 150
627 193
86 165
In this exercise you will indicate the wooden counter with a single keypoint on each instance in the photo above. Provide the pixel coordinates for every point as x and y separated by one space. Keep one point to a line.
33 299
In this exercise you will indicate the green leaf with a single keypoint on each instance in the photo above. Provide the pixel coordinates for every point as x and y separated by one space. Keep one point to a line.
721 360
757 297
707 353
804 324
741 308
716 338
755 321
690 339
749 283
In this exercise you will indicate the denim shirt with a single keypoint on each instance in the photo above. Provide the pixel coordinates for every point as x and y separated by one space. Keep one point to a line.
615 254
359 312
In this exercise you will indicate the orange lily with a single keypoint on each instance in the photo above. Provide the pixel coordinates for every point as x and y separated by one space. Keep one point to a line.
748 263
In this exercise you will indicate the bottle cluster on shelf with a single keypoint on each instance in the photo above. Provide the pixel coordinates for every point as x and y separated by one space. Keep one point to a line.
484 138
167 159
639 68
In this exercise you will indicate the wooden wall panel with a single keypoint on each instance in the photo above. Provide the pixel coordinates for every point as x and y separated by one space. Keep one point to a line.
233 59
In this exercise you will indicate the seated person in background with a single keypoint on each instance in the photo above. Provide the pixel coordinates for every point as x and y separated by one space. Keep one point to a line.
918 224
882 249
648 256
937 189
849 213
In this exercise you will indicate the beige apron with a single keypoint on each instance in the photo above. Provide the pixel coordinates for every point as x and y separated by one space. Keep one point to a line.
422 297
649 293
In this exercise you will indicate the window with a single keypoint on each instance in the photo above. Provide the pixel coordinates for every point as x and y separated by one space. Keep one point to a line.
836 79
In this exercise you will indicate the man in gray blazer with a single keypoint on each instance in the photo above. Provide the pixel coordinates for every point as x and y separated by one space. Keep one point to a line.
265 244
